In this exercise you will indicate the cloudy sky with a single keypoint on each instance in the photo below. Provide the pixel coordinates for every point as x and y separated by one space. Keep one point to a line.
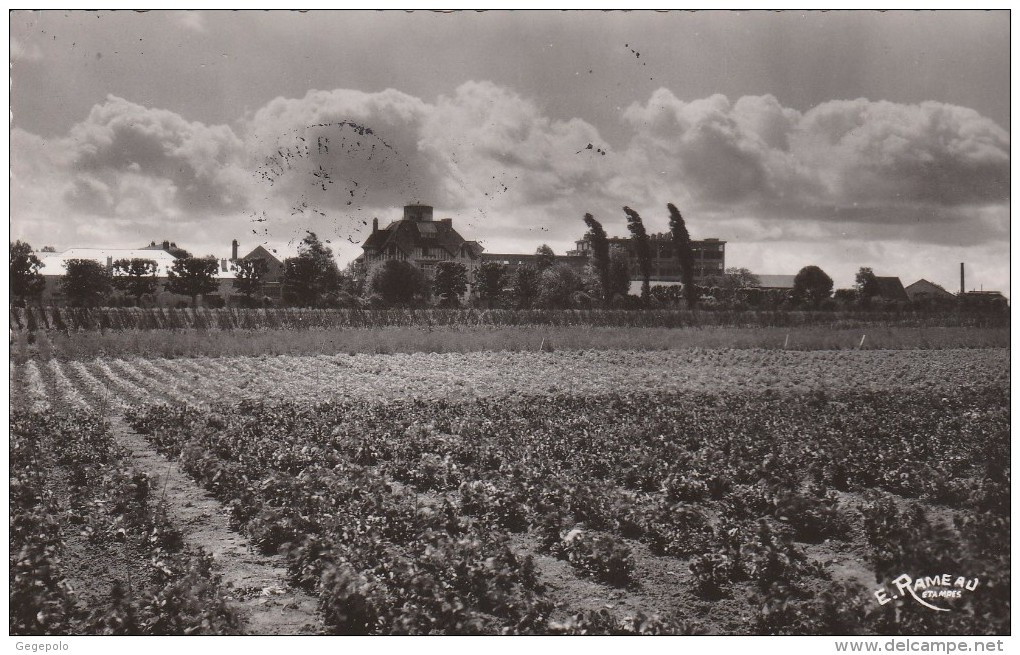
837 139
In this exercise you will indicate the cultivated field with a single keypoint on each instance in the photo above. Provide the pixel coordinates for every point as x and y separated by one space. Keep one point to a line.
114 383
624 491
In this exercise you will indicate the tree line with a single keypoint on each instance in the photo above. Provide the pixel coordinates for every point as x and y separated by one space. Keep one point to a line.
313 279
88 283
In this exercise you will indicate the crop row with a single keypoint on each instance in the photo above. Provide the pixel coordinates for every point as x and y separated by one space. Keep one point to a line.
69 481
116 382
403 511
32 319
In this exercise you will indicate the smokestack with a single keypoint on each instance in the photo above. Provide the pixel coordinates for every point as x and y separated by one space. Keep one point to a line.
963 289
233 249
375 225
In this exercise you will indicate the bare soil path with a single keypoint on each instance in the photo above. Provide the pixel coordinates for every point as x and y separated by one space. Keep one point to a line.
257 583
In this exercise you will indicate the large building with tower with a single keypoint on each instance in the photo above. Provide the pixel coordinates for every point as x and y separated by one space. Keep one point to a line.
419 239
709 257
422 240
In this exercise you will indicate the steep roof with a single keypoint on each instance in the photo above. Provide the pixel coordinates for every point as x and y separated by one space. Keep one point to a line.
261 253
376 239
924 287
474 248
891 288
407 235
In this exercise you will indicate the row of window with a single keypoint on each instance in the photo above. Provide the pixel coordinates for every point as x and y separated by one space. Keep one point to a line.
704 269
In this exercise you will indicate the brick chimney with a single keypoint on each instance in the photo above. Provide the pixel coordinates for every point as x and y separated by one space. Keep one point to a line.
375 225
233 250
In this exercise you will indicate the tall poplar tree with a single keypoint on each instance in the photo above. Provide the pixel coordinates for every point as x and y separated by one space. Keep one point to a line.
684 253
642 249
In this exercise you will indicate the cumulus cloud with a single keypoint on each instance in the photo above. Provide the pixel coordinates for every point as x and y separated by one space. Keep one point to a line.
929 153
484 154
751 171
499 149
122 141
843 161
337 149
126 164
721 153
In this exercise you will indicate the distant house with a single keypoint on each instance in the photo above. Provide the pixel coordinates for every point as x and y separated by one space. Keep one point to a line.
53 262
779 282
984 299
420 240
991 295
890 288
53 268
272 280
925 290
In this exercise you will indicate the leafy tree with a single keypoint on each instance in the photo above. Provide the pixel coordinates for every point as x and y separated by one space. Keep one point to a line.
249 277
592 280
557 285
544 257
845 296
667 295
811 285
599 254
396 281
489 280
326 278
866 284
525 285
734 278
193 276
352 279
642 248
48 249
312 279
619 273
740 278
684 253
450 283
178 252
753 296
298 285
318 252
135 277
85 282
26 280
